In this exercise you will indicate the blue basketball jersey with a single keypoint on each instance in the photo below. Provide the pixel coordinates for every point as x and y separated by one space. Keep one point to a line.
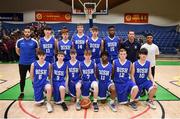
73 71
111 46
47 46
95 47
80 43
88 73
141 72
59 72
27 50
65 47
41 73
121 71
104 72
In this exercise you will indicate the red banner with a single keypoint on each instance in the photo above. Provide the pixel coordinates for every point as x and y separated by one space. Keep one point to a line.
136 18
53 16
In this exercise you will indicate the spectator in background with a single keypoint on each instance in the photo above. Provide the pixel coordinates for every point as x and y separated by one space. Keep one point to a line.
4 50
11 49
132 46
153 52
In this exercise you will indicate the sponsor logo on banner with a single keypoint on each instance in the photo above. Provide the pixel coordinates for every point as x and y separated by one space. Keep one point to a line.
136 18
11 16
52 16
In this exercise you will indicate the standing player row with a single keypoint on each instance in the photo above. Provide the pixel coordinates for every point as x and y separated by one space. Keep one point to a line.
80 42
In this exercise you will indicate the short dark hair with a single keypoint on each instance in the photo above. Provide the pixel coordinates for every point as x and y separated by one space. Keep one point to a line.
131 31
95 28
80 24
27 27
149 34
60 53
104 53
109 27
122 50
143 51
47 28
64 30
41 52
73 51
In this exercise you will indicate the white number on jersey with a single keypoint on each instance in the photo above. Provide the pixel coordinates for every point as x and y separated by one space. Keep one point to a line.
141 75
40 77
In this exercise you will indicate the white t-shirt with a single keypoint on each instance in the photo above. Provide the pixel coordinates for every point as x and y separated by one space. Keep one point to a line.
153 50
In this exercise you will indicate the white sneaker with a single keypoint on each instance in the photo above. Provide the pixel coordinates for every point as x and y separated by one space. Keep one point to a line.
151 104
49 107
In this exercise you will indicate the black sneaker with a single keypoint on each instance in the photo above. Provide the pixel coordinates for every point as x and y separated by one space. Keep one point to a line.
64 106
96 108
21 96
133 105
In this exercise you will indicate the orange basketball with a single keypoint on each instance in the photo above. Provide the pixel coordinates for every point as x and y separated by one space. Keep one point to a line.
85 103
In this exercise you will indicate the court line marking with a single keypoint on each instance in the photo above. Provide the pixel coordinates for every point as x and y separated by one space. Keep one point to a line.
143 112
26 112
162 109
7 109
2 81
85 113
174 83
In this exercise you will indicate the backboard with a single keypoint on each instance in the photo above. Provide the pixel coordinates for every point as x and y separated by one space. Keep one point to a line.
100 6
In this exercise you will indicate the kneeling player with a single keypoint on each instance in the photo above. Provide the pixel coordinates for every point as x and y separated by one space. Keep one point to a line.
74 82
58 80
40 72
141 73
87 68
103 72
124 85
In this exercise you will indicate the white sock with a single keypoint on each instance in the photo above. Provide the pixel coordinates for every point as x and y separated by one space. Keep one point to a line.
77 100
111 101
95 100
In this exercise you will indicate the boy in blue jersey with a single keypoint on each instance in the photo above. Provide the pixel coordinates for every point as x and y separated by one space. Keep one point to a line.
65 44
123 83
95 44
74 80
79 42
59 76
48 44
87 68
105 84
26 48
141 73
112 44
40 73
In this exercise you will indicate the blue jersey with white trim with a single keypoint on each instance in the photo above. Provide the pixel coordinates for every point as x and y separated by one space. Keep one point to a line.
111 45
41 73
80 43
65 47
88 73
47 46
95 47
27 50
59 72
73 71
121 71
104 72
141 71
